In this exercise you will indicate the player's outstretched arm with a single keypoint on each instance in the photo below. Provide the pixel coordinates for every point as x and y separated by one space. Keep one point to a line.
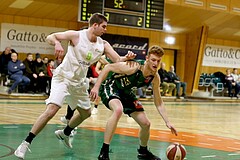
114 56
159 103
119 67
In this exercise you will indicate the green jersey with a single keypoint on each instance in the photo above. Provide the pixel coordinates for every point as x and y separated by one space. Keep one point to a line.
120 86
127 82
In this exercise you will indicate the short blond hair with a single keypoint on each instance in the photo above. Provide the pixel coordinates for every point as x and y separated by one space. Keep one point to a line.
155 49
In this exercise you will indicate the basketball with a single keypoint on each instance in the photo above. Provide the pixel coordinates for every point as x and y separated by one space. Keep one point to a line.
176 151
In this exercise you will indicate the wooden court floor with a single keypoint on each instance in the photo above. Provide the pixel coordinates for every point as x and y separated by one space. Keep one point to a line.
208 130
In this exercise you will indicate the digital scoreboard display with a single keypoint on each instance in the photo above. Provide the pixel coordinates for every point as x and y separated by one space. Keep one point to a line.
132 13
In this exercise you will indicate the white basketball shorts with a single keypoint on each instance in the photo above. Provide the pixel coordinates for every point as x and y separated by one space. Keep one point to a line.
75 94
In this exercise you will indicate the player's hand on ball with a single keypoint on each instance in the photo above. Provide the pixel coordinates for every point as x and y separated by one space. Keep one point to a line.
173 130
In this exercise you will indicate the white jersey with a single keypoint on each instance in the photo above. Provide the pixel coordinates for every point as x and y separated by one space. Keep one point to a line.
78 58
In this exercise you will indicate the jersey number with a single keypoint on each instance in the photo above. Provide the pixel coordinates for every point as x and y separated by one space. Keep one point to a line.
125 81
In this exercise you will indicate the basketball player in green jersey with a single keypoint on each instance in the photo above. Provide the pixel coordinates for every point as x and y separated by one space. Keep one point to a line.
116 94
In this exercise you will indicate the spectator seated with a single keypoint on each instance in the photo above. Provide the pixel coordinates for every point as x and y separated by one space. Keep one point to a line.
15 71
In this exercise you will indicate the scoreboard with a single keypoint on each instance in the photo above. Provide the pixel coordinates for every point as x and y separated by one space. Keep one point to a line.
132 13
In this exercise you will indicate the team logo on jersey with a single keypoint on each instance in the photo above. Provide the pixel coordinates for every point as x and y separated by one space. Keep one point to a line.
89 56
98 51
84 63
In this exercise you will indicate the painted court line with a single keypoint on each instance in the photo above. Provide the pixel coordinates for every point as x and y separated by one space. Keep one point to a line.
207 144
189 136
179 140
7 127
225 138
185 138
198 134
210 156
234 148
234 154
212 139
129 132
164 132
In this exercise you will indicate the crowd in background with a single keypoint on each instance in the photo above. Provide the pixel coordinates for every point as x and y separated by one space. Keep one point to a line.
33 75
28 76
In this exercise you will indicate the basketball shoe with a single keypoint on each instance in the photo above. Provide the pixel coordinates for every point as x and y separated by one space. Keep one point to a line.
103 156
22 149
147 155
94 111
65 139
74 131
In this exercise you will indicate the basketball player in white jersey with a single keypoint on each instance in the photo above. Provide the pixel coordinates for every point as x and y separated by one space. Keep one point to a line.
69 80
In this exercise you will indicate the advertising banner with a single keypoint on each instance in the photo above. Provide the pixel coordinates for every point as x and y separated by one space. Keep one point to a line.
123 44
221 56
27 38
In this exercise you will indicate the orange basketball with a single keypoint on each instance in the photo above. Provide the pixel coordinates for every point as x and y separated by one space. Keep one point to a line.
176 151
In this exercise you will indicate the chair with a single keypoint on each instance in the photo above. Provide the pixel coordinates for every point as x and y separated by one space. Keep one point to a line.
207 83
201 82
3 79
220 87
10 82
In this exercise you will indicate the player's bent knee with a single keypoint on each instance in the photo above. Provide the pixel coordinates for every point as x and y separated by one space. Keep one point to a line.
118 112
146 125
